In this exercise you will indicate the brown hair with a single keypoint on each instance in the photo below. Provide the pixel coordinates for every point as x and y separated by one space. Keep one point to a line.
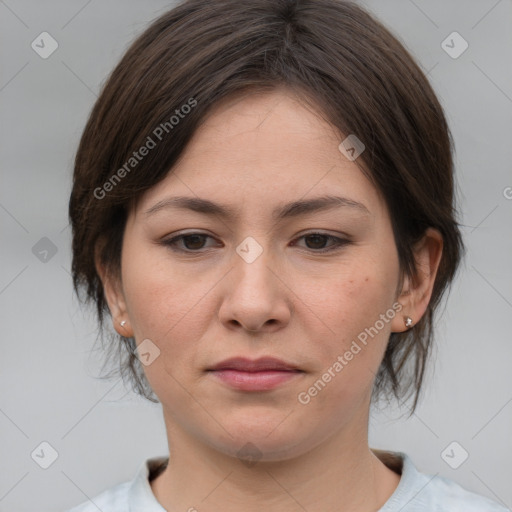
331 53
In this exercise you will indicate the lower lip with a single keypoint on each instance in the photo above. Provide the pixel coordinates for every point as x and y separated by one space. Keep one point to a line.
255 381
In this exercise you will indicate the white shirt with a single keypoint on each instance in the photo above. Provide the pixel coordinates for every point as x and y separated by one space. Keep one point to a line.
416 492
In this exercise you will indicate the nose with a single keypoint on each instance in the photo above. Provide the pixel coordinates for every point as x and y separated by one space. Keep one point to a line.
256 296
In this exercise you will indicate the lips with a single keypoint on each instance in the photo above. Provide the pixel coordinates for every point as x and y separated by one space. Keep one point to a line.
243 364
258 375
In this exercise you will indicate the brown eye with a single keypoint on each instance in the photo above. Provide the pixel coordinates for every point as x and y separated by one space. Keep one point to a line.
190 242
317 241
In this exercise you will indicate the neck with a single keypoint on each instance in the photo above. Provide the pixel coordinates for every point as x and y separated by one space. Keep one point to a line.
341 474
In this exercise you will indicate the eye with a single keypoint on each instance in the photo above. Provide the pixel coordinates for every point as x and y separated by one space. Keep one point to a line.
191 241
194 242
318 240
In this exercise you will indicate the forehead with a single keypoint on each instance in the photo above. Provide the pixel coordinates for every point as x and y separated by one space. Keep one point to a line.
270 121
266 148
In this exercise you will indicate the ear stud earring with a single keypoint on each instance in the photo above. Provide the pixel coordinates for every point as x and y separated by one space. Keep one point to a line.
408 321
123 323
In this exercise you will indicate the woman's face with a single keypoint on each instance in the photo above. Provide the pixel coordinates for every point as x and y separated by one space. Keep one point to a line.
267 278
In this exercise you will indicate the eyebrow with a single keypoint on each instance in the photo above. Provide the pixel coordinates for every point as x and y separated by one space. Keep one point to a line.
289 210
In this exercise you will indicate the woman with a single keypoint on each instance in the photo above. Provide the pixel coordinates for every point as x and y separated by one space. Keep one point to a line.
263 202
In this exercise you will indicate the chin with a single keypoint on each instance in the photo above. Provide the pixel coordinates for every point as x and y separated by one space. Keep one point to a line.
252 443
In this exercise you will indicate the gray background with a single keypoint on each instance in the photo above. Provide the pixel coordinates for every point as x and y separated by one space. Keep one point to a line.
101 431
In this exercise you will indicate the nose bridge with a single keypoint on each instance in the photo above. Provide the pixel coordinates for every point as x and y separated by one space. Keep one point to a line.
253 262
254 297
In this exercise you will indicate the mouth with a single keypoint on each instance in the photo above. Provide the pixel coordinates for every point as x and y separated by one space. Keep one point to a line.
255 375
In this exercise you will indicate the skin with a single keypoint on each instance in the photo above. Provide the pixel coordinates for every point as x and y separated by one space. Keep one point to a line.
292 302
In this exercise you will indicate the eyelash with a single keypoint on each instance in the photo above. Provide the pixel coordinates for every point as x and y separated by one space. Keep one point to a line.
339 242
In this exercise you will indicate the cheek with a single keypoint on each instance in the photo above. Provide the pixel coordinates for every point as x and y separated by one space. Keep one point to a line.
165 308
156 298
349 301
353 342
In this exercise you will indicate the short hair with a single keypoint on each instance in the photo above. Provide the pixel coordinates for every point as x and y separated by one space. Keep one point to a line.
333 55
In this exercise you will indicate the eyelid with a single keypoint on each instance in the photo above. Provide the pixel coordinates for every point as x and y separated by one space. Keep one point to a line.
339 241
170 242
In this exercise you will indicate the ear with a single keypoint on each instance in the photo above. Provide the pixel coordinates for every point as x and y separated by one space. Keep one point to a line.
416 292
114 295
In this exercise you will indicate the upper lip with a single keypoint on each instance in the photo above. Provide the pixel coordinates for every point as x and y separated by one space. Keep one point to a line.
254 365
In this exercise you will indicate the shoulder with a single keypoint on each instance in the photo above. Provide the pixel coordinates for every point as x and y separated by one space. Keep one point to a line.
131 495
114 499
448 496
420 492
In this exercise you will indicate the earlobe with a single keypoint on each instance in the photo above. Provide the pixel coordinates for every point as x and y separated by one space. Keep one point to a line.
125 328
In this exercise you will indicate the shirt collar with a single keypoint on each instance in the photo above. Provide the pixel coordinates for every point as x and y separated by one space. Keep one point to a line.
141 497
140 494
411 482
